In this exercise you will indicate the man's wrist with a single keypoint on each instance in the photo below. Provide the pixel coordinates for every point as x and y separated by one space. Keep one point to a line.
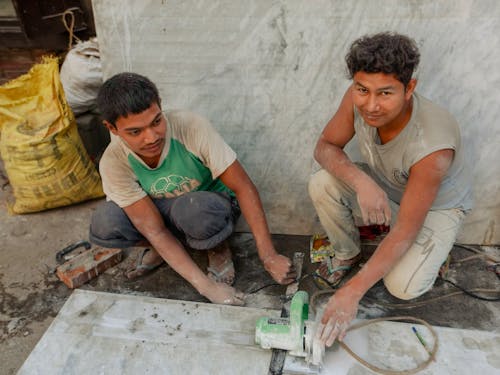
204 286
266 250
357 288
268 256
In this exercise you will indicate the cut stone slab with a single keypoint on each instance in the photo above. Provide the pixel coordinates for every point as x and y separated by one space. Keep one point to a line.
104 333
394 346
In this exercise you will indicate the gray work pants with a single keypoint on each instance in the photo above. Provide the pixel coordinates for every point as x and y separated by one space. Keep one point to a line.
199 219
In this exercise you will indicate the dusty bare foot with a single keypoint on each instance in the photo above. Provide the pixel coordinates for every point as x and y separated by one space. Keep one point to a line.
147 261
220 264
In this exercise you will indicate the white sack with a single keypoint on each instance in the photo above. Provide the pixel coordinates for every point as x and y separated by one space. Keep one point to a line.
81 76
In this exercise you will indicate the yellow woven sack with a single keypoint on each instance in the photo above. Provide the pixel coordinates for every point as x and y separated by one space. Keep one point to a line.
43 154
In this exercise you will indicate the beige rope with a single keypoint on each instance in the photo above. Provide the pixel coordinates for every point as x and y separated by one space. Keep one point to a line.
70 28
420 367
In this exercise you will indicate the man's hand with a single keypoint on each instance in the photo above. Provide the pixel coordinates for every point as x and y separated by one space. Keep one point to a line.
340 310
280 268
373 203
224 294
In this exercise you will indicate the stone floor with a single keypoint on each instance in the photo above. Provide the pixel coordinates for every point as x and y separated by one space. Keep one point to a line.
31 295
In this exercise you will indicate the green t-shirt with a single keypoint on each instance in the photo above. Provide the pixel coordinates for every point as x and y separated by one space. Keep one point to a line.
180 172
193 158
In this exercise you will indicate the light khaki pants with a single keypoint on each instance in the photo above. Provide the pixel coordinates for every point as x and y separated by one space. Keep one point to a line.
415 273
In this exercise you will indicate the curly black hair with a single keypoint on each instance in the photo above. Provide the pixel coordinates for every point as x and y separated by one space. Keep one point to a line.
385 52
124 94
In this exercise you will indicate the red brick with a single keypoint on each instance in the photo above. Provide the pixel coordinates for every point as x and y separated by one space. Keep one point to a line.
88 265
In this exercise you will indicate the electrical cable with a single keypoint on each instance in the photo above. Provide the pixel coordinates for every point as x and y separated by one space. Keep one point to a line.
411 305
471 294
406 305
276 284
262 287
477 251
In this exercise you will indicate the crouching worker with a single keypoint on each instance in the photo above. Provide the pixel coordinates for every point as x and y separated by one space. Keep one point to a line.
414 180
171 182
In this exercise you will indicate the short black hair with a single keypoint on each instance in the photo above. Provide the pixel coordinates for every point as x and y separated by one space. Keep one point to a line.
126 93
385 52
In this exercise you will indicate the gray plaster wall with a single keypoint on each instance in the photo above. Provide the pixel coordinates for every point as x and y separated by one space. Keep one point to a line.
270 74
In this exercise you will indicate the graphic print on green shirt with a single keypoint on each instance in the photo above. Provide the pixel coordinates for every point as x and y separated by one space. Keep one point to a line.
180 172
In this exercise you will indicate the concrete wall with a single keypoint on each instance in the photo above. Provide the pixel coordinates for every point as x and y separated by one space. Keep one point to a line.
269 75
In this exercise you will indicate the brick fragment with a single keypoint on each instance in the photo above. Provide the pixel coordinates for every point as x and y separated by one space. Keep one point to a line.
88 265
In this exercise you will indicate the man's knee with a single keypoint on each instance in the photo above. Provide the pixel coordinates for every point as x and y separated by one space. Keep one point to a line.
400 285
205 218
318 184
111 227
103 218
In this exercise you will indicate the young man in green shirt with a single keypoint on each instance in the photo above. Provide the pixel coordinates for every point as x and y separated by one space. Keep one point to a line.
171 182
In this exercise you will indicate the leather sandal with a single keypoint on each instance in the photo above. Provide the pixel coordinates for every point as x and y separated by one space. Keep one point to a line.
141 269
332 271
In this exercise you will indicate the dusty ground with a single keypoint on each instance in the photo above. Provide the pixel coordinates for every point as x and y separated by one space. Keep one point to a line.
31 295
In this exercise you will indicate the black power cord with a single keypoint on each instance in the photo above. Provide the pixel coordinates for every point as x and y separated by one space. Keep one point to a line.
469 293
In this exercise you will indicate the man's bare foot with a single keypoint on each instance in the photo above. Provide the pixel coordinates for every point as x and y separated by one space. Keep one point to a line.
220 264
147 261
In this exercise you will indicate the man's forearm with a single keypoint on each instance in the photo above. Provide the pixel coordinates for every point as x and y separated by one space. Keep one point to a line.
252 210
333 159
390 250
147 220
177 257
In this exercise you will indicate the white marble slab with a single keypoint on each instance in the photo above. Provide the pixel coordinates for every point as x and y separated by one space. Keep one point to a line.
393 346
269 75
104 333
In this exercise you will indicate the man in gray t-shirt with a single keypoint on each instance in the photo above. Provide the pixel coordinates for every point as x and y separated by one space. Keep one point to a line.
414 179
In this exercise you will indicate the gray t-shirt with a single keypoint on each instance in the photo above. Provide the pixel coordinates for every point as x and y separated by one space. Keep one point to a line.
430 128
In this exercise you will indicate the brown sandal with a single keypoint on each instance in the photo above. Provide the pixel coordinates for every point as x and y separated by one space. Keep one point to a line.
141 269
332 271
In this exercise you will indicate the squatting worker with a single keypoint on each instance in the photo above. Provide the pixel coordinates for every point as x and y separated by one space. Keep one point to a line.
414 179
172 182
